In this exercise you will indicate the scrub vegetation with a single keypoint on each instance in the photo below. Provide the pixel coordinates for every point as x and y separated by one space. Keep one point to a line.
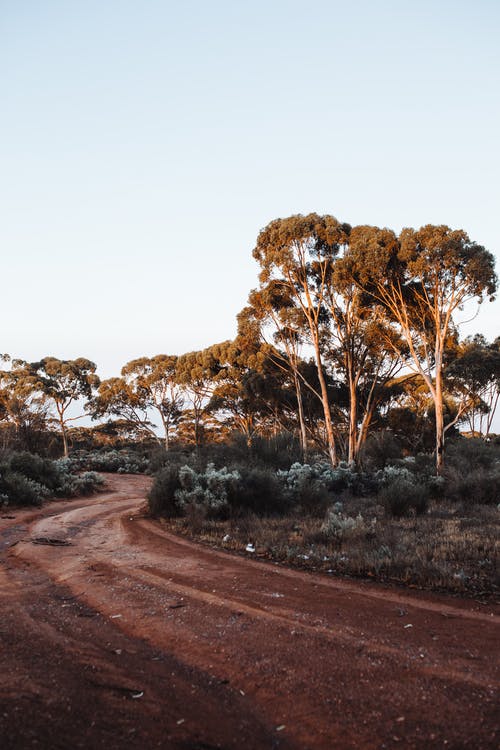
399 522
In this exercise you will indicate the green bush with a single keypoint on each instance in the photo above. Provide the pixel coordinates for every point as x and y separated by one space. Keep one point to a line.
258 491
380 448
41 470
312 485
17 489
27 479
112 461
472 472
72 484
162 495
401 496
277 452
208 488
308 486
470 454
339 526
220 492
478 487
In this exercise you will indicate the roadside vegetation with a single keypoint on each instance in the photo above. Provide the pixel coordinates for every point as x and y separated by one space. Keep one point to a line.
29 479
394 522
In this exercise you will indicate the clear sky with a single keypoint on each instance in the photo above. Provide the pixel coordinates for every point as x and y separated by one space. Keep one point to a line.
143 145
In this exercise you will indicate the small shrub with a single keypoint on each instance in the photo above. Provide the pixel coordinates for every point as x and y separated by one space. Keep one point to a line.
73 485
400 496
113 461
41 470
308 485
159 458
258 491
20 490
470 454
162 495
472 472
313 484
276 452
209 488
27 479
339 526
475 488
395 473
380 448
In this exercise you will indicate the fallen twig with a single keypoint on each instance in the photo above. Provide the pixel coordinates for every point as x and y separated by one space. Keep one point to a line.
51 542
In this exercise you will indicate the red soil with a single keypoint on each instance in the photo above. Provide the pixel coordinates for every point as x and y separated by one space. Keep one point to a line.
125 636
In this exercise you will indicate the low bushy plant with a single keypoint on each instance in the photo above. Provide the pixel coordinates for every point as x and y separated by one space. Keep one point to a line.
162 495
276 452
258 491
209 488
41 470
27 479
479 487
340 526
112 461
465 455
313 481
380 448
71 484
18 489
221 492
400 495
308 485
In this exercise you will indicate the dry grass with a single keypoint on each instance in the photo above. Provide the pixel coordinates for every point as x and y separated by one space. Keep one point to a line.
449 548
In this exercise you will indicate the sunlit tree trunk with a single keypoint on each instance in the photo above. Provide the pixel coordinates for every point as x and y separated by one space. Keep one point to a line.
302 424
439 412
332 452
353 420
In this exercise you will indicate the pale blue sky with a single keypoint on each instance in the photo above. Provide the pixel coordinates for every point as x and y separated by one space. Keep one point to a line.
144 145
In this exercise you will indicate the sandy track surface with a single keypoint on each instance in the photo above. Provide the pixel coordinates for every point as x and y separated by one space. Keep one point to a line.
116 634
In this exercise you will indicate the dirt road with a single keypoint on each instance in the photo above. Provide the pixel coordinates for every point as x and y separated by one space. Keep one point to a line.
116 634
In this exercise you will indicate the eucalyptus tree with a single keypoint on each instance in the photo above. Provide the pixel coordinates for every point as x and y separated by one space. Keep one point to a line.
421 279
152 380
296 254
231 398
118 398
362 348
475 371
24 416
195 374
271 307
59 383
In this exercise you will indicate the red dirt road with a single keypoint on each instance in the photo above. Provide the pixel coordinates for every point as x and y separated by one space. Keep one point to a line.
124 636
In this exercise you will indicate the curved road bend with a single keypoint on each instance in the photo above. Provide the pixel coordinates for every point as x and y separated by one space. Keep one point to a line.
116 634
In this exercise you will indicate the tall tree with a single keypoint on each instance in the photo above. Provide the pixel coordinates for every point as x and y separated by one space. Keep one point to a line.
230 397
475 372
153 380
296 253
272 307
58 382
196 374
250 389
24 417
120 399
420 280
363 348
